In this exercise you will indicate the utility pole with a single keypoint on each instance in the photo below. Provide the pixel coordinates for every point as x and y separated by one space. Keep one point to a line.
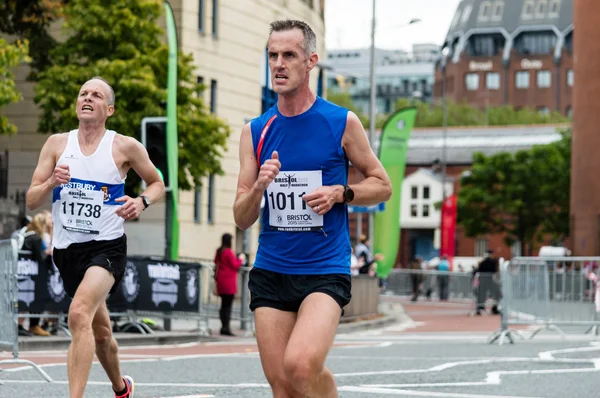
372 112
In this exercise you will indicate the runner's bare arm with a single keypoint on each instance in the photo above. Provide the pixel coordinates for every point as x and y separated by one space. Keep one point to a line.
47 174
376 186
246 207
252 182
138 159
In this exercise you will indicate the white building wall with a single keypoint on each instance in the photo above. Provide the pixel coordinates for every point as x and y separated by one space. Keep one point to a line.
421 180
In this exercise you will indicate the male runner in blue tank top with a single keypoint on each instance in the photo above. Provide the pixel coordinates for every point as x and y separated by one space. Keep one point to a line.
85 172
295 156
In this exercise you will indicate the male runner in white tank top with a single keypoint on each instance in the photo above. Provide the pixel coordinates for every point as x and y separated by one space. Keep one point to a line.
85 171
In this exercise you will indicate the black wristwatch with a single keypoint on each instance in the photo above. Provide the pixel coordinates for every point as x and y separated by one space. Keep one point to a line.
348 194
145 201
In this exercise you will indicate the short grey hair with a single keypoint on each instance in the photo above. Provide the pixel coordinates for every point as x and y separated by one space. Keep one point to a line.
111 93
310 39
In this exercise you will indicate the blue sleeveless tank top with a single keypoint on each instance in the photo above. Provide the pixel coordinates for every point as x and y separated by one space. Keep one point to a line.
294 239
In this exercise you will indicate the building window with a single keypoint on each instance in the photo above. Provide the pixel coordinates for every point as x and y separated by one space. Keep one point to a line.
542 7
528 8
425 210
498 10
481 247
522 79
544 110
570 77
535 43
213 96
215 17
200 87
425 192
492 81
4 174
405 84
484 11
466 14
472 81
414 192
413 211
554 10
488 45
201 16
197 202
569 112
211 199
544 79
569 43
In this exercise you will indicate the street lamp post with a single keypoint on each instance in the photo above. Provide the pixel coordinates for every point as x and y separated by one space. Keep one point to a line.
373 96
445 53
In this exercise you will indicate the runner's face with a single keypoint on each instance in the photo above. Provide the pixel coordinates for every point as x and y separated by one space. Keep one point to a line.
92 102
288 62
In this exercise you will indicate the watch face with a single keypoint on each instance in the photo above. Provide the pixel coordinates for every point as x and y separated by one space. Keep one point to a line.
349 194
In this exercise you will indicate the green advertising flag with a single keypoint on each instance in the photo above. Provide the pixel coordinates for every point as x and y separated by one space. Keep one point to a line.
392 154
172 147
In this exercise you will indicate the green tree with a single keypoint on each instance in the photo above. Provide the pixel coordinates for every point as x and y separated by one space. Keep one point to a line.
11 55
29 20
463 114
344 99
122 43
558 193
523 195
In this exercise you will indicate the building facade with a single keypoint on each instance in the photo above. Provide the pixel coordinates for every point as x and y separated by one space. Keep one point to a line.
509 52
398 74
227 39
585 186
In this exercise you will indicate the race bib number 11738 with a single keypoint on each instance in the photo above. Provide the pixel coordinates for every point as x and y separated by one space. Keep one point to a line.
287 210
81 210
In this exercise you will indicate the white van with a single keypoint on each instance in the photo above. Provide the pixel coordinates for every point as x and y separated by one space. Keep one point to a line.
554 251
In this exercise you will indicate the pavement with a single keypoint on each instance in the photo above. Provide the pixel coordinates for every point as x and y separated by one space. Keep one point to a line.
192 330
432 349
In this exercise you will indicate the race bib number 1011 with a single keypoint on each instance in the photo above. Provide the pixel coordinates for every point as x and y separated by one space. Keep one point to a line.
287 210
81 210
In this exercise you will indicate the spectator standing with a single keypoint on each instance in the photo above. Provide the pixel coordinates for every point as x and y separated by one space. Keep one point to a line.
227 266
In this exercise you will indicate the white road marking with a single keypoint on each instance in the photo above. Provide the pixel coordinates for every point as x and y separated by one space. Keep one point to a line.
141 384
428 394
492 378
549 355
151 359
194 396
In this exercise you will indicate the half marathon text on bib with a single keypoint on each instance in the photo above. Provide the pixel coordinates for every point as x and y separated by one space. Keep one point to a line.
287 210
81 210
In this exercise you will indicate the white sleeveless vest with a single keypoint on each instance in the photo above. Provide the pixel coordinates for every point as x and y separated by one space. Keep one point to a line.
84 208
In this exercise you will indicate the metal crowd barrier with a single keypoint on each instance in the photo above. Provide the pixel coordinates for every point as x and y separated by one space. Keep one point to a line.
9 334
479 290
210 302
432 284
548 292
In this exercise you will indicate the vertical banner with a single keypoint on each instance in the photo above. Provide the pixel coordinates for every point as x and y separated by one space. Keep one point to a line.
448 228
393 145
172 141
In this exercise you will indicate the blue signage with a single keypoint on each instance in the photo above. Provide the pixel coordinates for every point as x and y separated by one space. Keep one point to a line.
367 209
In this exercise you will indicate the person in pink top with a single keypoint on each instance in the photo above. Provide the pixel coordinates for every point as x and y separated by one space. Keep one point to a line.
227 266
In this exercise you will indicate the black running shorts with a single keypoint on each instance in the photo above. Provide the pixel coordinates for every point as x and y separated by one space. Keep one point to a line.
75 260
286 292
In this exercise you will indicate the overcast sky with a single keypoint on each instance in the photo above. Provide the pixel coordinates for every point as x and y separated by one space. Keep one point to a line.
348 22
